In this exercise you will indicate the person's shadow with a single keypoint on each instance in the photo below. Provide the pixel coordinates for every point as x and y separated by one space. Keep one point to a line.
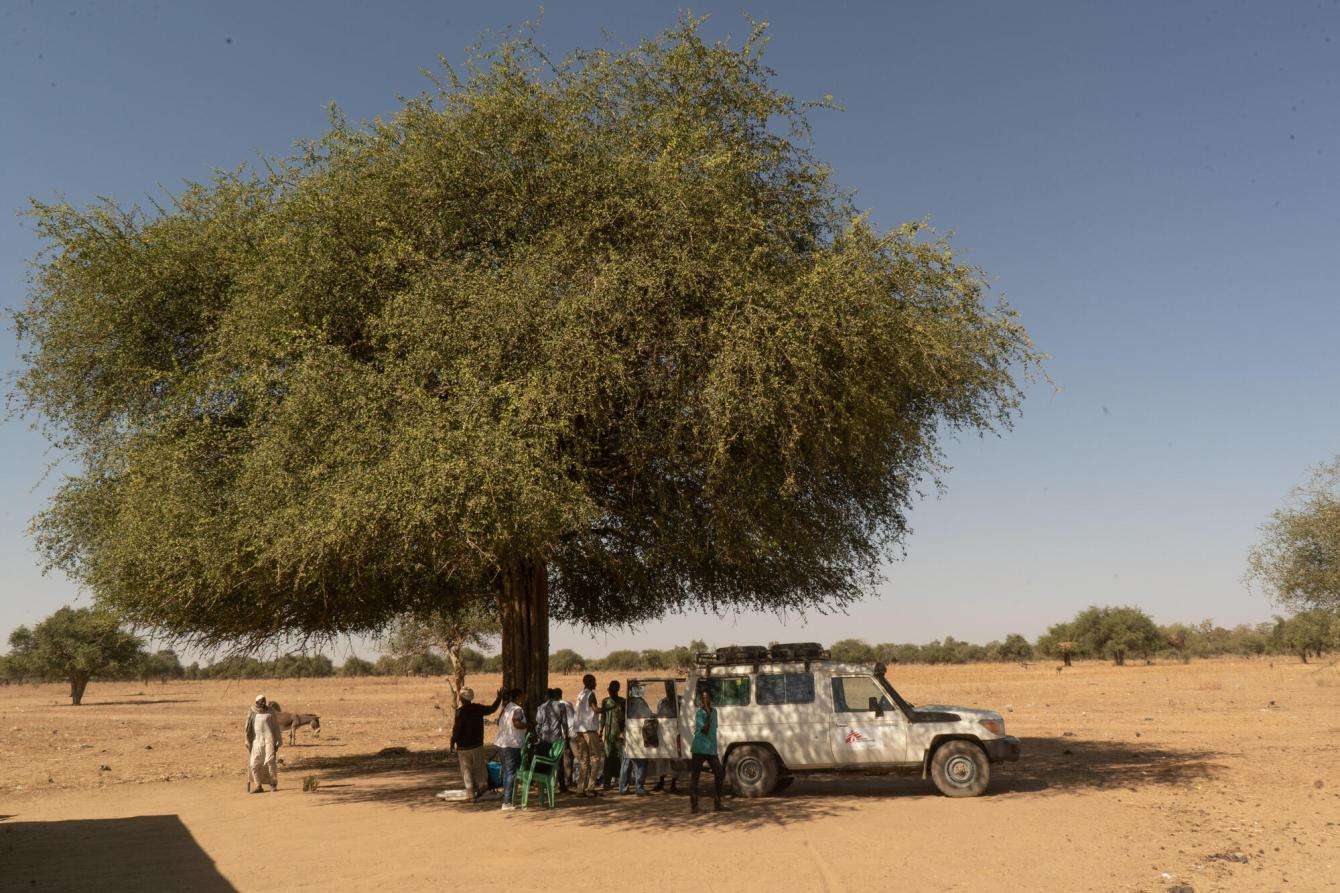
146 852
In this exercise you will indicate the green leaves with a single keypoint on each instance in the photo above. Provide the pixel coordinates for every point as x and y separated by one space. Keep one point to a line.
610 315
1297 561
74 642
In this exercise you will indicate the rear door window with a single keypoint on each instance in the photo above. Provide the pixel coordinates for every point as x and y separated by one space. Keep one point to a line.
727 691
786 688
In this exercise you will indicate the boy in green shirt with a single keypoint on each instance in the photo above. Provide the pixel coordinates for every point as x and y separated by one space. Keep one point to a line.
704 750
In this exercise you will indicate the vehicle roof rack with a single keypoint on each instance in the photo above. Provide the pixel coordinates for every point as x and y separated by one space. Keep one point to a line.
776 655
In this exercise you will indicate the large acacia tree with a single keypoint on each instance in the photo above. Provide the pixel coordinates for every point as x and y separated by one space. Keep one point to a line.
600 338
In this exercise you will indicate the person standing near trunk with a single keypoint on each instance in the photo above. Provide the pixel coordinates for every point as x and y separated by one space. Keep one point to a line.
263 739
467 740
565 777
704 750
511 735
586 737
611 728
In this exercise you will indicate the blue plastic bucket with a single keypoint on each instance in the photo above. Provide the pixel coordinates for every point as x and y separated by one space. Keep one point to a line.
495 774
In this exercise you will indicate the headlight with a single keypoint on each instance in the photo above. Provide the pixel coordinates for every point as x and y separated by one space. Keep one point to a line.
994 726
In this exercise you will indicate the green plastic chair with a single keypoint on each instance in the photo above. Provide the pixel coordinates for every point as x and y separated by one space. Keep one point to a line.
538 766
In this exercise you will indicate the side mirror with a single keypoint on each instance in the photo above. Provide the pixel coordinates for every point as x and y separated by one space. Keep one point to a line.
875 706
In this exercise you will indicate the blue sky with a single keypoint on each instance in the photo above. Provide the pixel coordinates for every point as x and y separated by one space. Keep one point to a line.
1153 185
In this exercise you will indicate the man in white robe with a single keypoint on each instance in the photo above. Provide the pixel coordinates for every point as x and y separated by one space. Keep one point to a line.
263 738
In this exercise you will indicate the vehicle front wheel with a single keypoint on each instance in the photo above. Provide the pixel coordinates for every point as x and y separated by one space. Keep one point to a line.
960 769
752 771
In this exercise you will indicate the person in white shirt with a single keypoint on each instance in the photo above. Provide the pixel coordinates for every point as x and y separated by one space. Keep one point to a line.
588 752
511 735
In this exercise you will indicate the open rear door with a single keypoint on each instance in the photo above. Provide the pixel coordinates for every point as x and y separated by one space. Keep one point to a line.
652 729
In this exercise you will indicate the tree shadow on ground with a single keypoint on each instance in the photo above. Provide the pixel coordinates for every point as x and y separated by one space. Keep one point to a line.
133 703
1048 766
147 852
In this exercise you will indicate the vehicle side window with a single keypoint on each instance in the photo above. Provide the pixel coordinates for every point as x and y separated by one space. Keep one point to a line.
727 691
852 694
786 688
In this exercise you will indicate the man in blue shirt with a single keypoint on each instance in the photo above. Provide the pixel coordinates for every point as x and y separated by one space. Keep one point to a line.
704 750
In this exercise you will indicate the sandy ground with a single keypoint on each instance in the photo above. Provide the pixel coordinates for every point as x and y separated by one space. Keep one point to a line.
1222 775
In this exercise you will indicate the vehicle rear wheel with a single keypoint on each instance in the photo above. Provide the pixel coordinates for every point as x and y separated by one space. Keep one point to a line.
752 771
960 769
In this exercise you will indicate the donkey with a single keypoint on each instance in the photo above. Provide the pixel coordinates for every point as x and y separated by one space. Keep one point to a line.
291 722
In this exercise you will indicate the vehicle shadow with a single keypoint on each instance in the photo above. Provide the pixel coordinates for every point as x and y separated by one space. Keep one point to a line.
147 852
1061 765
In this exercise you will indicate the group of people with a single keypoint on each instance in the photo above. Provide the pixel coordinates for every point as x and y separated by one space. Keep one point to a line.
594 753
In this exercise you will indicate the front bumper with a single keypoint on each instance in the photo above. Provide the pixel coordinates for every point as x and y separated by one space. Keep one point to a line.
1002 750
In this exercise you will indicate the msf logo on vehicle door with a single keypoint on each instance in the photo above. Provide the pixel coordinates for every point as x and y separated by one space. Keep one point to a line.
859 738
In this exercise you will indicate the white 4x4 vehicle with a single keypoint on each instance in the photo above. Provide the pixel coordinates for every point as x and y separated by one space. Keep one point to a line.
790 709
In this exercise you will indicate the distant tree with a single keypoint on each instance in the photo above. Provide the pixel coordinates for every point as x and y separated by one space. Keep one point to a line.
387 665
1060 641
356 666
654 659
1115 632
193 671
493 663
1178 638
1297 562
10 670
1015 647
565 661
302 666
239 666
161 665
450 631
1306 633
75 644
621 660
854 651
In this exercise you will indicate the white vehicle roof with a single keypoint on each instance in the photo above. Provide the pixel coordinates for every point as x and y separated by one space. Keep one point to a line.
789 666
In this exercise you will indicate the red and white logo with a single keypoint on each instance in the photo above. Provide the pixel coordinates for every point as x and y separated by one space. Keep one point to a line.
856 736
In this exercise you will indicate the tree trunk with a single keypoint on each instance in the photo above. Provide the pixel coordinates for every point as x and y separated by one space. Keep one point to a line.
1065 656
1120 658
78 682
523 602
456 681
1303 655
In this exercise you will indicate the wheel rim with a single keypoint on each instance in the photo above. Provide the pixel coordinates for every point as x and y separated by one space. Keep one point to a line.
749 770
961 771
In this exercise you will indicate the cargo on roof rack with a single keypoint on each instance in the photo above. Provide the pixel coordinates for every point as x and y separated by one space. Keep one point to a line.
740 654
797 651
757 654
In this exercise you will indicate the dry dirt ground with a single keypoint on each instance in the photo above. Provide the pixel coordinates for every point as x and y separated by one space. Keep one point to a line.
1221 775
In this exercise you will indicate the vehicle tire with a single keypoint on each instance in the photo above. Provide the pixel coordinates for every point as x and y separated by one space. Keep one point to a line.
960 769
752 771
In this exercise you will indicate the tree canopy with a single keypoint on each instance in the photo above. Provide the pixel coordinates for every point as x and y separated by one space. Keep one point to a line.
601 335
1297 561
75 644
1111 632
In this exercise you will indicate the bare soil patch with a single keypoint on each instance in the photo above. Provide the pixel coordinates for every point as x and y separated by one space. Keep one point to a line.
1217 774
